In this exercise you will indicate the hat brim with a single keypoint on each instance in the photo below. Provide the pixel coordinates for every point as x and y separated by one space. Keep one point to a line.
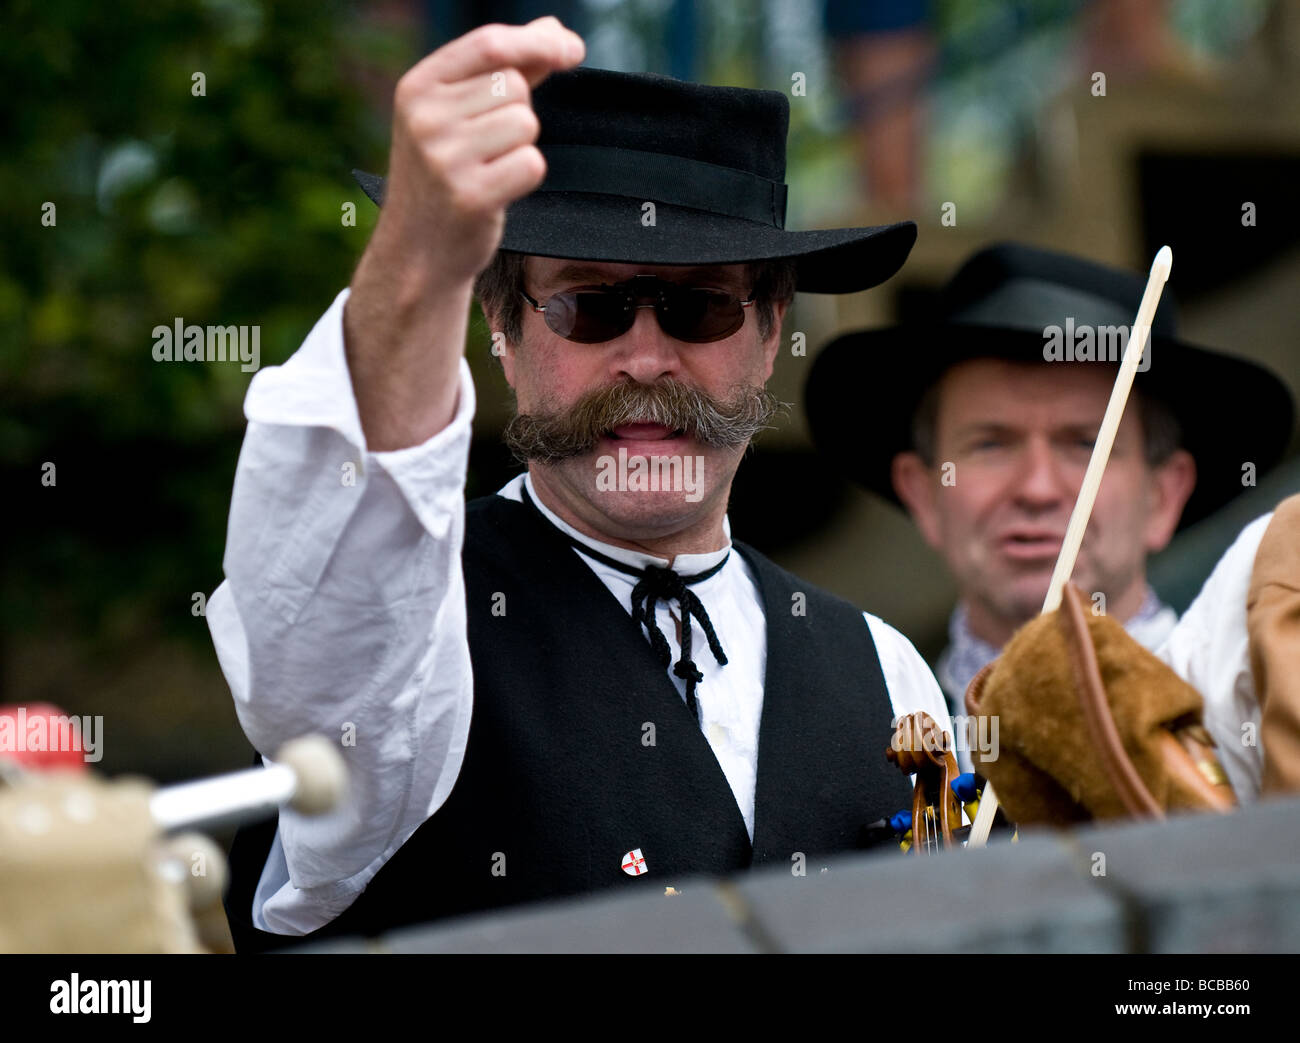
864 389
589 226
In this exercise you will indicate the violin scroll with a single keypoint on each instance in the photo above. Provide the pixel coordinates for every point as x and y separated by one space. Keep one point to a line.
920 747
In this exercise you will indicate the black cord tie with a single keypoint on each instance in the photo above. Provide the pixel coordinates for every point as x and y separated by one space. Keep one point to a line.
654 584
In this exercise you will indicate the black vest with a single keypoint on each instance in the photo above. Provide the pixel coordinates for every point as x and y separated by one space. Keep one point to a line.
581 749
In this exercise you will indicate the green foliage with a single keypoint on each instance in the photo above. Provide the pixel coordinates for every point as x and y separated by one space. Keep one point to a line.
221 209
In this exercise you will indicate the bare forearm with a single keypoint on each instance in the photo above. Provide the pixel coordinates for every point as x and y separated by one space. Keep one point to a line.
404 338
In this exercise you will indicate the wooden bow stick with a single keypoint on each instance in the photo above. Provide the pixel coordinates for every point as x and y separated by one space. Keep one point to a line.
1137 341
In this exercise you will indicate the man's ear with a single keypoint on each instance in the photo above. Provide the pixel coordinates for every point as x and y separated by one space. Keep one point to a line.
915 485
508 363
1171 485
500 346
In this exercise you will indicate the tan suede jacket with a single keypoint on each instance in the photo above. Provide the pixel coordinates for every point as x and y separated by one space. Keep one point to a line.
1273 624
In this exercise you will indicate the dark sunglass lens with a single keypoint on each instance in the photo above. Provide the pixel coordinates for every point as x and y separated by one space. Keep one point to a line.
698 316
590 316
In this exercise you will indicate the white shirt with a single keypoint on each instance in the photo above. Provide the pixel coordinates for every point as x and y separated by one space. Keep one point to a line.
343 612
1210 650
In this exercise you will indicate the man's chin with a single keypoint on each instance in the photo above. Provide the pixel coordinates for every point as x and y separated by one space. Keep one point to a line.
652 493
1021 599
647 515
648 505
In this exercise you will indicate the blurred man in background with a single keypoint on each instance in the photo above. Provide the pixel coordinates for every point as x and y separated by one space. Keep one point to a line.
982 422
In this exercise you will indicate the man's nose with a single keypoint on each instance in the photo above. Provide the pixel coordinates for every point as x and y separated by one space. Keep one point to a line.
645 352
1041 480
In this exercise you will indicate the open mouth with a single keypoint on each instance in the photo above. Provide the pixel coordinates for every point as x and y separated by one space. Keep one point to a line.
645 433
1030 545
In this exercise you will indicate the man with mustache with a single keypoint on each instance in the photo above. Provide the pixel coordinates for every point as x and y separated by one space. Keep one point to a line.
573 684
981 422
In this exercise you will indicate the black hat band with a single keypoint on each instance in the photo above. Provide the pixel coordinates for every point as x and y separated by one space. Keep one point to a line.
675 180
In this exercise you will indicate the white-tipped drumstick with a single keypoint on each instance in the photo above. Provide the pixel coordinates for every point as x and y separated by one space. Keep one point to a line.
308 774
1137 341
1109 426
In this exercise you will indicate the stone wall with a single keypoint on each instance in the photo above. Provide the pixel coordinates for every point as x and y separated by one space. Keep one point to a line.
1195 883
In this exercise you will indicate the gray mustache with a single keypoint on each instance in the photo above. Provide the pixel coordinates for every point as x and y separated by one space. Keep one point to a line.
557 435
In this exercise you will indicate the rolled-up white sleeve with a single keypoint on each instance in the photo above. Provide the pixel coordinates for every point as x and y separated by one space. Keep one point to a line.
911 682
1210 650
343 613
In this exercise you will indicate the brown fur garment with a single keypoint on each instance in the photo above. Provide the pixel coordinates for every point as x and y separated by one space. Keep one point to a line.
1046 769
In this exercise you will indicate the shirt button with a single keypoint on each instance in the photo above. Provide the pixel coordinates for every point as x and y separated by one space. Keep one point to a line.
717 734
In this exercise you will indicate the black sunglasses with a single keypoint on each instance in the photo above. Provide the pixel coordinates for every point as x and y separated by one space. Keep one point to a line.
695 314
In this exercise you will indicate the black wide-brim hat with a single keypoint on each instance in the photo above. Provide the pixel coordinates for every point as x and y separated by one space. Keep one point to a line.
865 387
711 159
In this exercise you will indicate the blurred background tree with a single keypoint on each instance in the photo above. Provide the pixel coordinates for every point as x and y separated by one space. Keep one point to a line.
217 203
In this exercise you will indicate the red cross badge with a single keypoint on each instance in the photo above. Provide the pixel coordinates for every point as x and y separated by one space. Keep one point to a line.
634 863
